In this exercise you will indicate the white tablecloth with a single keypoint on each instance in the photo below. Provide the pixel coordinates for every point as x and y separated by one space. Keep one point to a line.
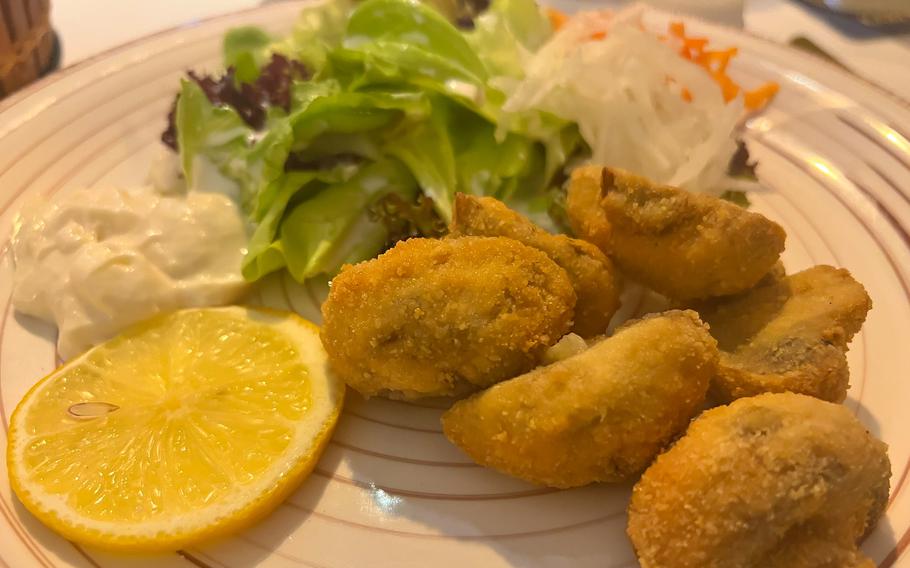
883 59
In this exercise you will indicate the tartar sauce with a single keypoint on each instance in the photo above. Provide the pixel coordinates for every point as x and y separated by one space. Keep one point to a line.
95 261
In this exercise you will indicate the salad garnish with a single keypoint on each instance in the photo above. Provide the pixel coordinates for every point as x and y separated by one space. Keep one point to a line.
358 128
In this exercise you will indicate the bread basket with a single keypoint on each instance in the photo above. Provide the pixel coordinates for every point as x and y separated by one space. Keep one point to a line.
26 42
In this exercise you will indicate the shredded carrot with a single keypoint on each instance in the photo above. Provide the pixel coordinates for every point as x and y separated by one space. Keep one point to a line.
729 88
557 18
695 49
692 47
715 62
678 29
761 96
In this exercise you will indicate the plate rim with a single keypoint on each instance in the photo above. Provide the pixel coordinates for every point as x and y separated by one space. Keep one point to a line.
827 69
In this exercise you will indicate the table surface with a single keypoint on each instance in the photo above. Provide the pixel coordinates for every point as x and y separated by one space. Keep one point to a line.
882 58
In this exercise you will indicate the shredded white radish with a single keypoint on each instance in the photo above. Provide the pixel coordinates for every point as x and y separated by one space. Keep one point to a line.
623 86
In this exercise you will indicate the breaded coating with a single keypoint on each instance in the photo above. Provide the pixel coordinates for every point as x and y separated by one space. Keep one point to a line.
820 544
788 334
444 317
590 271
601 415
779 480
684 245
586 217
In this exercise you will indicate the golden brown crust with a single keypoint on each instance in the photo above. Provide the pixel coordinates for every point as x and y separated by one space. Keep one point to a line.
773 481
443 317
683 245
788 334
586 216
601 415
590 271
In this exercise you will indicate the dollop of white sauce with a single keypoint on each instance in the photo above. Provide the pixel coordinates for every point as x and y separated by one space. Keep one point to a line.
95 261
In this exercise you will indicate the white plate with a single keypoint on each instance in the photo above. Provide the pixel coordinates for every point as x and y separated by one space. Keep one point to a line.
390 491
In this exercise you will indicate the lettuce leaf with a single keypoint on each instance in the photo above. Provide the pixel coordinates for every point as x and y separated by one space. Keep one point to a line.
332 227
245 49
426 148
264 253
395 24
316 32
352 112
505 35
216 132
486 164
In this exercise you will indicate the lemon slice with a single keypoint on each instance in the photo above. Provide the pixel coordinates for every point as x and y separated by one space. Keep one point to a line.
186 427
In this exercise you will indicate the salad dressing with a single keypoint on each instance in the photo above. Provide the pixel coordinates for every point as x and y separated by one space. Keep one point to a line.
96 261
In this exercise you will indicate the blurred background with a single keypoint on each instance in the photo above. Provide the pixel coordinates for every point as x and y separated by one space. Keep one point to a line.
869 37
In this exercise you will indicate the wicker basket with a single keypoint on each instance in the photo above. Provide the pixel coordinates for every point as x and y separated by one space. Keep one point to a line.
26 42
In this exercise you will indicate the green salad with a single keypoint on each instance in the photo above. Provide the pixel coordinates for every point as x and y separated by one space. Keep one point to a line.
358 128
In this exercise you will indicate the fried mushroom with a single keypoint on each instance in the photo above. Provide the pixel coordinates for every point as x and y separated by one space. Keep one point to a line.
600 415
789 333
779 480
684 245
591 272
444 317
